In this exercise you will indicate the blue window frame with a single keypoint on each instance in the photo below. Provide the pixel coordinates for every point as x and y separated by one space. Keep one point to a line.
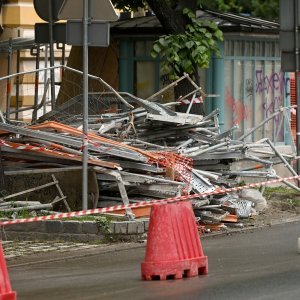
139 71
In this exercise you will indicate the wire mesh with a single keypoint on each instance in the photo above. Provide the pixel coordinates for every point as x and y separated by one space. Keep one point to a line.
101 100
180 164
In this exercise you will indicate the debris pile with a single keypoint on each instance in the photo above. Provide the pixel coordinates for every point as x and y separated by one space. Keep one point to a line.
142 150
9 206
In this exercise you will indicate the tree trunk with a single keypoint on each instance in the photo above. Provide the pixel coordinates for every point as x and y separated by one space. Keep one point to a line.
171 18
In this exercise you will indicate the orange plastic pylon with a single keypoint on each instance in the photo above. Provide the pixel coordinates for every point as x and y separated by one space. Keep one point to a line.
5 289
173 248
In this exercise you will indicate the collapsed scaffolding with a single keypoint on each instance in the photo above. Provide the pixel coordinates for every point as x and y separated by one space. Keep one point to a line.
142 149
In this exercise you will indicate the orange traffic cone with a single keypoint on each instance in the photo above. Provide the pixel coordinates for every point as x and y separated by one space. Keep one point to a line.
5 289
173 248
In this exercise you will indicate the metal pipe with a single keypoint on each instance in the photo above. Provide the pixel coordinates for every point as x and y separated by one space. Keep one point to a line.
288 125
270 153
52 76
208 149
29 190
265 121
146 143
279 127
8 84
185 143
17 85
195 85
212 114
45 73
185 96
191 104
104 83
285 162
250 174
297 80
167 87
2 117
33 71
63 60
75 71
21 109
85 22
207 174
193 149
36 85
263 161
289 184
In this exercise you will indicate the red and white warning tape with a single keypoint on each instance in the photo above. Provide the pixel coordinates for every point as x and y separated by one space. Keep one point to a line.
187 101
18 146
143 203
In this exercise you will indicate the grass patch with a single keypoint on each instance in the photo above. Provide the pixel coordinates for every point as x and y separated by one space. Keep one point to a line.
82 218
294 202
22 214
280 190
102 222
282 193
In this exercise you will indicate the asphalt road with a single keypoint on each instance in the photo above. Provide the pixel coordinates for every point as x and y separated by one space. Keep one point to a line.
262 264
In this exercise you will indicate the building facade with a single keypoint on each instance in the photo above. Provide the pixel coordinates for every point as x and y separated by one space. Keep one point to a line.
20 53
247 77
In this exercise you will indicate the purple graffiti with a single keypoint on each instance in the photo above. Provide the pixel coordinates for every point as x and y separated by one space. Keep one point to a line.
270 109
276 81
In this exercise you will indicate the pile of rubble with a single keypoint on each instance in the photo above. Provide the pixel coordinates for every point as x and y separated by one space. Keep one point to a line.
143 150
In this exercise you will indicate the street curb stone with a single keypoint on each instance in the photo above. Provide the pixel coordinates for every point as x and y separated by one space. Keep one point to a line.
53 226
89 227
80 231
72 226
90 231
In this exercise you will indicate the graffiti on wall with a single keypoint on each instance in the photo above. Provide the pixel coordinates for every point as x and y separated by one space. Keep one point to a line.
268 90
275 82
240 111
272 88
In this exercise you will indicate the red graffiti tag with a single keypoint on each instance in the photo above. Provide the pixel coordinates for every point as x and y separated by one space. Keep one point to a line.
240 111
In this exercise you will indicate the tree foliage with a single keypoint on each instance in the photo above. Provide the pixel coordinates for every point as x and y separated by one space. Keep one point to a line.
185 52
190 42
265 9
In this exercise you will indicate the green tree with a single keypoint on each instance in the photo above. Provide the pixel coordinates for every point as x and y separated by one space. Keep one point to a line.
266 9
189 43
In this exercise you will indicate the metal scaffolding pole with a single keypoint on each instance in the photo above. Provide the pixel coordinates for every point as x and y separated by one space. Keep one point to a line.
85 22
18 85
297 80
52 75
36 84
8 84
45 74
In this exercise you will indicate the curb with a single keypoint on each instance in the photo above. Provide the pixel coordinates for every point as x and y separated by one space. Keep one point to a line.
93 231
79 231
